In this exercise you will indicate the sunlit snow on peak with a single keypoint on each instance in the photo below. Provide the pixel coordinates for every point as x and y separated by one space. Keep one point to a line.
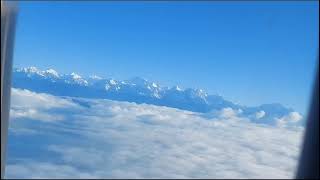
95 77
112 82
75 75
178 88
52 72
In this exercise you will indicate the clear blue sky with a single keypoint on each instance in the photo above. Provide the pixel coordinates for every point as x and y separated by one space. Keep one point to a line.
248 52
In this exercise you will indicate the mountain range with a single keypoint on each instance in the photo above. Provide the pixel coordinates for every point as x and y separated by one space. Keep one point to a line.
137 90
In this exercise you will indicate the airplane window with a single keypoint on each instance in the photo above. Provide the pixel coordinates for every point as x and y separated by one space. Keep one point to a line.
161 89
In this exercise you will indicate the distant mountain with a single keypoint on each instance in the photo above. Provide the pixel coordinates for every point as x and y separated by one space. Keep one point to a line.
136 90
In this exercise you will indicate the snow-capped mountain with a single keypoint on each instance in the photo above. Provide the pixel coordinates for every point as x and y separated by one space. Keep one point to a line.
136 90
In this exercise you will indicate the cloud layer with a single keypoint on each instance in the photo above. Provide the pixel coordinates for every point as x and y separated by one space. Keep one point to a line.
82 138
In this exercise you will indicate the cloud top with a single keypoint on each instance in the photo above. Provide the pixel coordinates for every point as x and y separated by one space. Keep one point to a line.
109 139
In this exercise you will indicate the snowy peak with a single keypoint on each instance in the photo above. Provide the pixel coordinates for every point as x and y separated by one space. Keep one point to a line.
52 75
177 88
112 85
155 85
137 81
95 77
51 72
33 71
75 78
113 82
198 93
30 69
134 86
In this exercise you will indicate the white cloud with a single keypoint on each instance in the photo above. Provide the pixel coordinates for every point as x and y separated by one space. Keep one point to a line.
34 114
287 120
295 116
26 98
43 170
27 104
229 113
112 139
260 114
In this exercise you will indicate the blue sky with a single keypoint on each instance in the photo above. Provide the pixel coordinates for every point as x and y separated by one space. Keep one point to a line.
249 52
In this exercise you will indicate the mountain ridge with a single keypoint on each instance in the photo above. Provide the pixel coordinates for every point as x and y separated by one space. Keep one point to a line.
138 90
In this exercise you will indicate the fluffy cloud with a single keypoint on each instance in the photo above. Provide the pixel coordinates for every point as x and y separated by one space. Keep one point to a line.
27 99
287 120
109 139
260 114
38 106
229 113
34 114
44 170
